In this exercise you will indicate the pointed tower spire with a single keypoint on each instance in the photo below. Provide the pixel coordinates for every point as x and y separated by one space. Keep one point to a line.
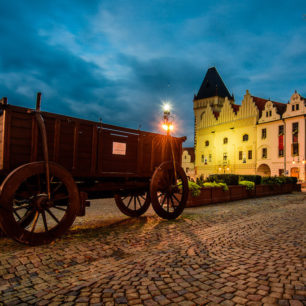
212 85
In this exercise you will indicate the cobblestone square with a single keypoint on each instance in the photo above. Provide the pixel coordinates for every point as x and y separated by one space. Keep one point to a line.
249 252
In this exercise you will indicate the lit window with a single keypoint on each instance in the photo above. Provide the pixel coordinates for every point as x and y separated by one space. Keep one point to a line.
263 133
264 153
245 137
225 140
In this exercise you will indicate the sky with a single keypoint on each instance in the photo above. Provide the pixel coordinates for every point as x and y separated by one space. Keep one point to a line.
119 60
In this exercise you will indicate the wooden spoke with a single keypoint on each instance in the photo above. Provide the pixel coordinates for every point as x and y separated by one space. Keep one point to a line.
16 214
57 188
22 207
52 215
131 198
59 208
35 221
44 220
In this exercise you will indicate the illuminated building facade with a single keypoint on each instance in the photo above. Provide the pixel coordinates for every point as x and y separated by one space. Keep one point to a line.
247 138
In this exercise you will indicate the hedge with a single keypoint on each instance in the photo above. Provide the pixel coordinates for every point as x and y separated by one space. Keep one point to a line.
252 178
228 179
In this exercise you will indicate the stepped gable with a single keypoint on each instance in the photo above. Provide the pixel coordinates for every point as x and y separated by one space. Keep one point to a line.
190 151
212 86
260 103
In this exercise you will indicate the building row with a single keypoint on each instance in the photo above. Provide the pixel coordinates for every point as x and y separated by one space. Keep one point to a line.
260 136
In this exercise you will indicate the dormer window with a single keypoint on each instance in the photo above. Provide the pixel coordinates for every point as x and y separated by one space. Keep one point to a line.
297 106
245 137
293 107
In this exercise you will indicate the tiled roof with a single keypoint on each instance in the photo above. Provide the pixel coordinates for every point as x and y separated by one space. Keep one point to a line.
190 151
212 86
216 114
260 103
235 107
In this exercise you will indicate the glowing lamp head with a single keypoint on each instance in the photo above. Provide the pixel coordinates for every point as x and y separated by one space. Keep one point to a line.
171 127
166 107
165 127
293 162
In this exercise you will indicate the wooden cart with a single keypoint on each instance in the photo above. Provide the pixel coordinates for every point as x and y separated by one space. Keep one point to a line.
50 165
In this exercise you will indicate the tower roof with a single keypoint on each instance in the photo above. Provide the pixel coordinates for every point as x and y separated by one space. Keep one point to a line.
212 86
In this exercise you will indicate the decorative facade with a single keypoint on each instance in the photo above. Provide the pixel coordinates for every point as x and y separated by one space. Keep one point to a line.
247 138
188 162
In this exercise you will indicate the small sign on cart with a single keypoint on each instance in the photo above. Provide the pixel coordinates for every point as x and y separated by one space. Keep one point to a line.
119 148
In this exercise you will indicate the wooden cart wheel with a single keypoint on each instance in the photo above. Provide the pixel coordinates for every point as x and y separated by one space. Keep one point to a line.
169 193
24 193
133 205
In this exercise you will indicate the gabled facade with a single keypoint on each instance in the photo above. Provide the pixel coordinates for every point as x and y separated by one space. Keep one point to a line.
231 138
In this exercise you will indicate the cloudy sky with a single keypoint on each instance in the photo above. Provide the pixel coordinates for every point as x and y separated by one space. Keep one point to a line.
119 59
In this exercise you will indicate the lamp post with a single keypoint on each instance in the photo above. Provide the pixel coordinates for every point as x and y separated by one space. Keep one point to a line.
167 123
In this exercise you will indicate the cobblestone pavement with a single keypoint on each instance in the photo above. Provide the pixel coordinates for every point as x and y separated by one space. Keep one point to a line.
245 252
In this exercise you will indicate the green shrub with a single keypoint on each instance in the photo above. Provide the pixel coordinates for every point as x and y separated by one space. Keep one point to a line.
228 179
249 185
194 188
214 184
278 180
200 180
252 178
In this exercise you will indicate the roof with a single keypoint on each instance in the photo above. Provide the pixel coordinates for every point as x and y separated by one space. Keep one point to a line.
216 114
235 107
190 151
260 103
212 86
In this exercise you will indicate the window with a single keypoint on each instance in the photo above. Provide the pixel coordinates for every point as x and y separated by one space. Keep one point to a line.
225 156
295 149
250 154
280 130
264 153
292 107
267 114
295 131
206 143
297 107
281 172
280 152
209 158
202 158
263 133
245 137
240 155
225 140
187 169
270 113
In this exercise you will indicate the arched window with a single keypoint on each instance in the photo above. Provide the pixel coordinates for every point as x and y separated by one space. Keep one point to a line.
245 137
225 140
206 143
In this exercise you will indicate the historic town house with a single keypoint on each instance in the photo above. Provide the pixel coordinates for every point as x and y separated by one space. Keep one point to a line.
257 137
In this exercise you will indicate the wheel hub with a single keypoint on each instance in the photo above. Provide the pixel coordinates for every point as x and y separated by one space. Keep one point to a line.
42 202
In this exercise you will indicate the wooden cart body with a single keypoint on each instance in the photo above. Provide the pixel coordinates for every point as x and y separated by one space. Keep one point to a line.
87 149
53 163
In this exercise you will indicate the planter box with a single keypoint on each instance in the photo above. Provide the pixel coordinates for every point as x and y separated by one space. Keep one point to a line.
237 192
219 195
202 199
297 187
262 190
276 189
287 188
251 193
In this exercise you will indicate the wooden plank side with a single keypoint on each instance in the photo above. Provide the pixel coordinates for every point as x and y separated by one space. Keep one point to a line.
1 139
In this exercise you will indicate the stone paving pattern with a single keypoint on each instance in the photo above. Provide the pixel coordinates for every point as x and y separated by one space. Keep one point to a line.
249 252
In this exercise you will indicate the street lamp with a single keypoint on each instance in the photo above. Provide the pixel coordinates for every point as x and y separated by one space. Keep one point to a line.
167 124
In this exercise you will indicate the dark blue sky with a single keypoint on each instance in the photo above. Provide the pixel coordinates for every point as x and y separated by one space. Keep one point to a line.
120 59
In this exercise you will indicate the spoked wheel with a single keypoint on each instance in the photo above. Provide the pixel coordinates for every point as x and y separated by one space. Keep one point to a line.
133 205
27 214
169 192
